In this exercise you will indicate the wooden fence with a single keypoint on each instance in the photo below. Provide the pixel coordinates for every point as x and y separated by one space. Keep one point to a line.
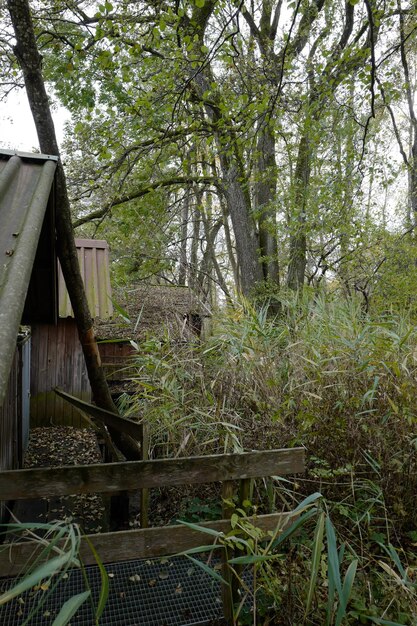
113 478
117 478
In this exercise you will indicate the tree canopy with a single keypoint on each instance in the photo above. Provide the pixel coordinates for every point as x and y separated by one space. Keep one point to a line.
241 146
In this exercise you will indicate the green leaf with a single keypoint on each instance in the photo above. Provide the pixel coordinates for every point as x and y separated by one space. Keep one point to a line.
43 572
307 502
249 559
202 529
200 549
104 590
316 558
294 527
121 311
333 557
234 520
384 622
346 591
69 609
208 570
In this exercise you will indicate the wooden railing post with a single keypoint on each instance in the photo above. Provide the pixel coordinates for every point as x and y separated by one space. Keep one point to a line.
144 494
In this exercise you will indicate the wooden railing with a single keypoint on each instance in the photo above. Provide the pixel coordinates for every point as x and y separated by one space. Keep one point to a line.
113 478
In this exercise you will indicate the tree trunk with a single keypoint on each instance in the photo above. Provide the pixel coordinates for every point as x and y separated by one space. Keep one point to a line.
195 241
298 239
246 238
265 195
31 61
182 272
234 179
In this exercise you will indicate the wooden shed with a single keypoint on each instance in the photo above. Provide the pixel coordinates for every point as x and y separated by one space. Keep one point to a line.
57 357
28 286
166 312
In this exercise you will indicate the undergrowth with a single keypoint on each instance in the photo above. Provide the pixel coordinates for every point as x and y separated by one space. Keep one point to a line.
324 375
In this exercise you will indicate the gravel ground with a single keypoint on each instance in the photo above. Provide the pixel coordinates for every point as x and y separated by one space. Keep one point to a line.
63 445
57 446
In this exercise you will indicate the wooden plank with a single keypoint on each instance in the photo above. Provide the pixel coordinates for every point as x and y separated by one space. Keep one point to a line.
50 376
60 406
119 423
39 370
131 475
137 544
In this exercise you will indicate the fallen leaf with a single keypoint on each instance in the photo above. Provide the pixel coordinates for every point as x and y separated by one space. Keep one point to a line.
135 578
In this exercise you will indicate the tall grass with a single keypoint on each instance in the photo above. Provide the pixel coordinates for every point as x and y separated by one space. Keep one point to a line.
324 375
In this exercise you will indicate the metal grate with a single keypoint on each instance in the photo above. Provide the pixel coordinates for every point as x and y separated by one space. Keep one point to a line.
167 592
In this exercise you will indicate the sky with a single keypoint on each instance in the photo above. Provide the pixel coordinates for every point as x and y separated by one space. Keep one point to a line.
17 129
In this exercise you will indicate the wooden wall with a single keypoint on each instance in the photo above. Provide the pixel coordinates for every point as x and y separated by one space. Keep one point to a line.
115 357
14 416
57 361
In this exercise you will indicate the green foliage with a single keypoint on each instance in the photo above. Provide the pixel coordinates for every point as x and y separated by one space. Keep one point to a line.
279 565
325 375
57 550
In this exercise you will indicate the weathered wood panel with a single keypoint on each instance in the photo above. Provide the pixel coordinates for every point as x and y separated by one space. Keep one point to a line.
119 423
138 544
57 361
114 477
13 417
116 359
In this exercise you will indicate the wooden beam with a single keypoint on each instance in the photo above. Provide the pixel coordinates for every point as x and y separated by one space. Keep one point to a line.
121 424
136 544
127 476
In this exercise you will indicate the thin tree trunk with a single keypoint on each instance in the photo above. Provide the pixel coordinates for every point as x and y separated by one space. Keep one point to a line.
31 61
229 243
265 194
193 271
298 239
182 273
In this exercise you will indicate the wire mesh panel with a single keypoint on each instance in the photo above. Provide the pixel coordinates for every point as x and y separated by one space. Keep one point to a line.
163 592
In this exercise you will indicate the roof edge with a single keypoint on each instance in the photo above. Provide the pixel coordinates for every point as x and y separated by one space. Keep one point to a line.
33 156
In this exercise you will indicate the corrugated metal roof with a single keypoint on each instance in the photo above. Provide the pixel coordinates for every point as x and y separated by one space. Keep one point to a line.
93 256
25 186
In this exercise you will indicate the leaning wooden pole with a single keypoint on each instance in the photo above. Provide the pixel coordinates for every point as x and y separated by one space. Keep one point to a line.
30 61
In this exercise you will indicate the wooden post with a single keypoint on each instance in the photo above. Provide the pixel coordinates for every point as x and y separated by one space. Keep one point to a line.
144 494
245 488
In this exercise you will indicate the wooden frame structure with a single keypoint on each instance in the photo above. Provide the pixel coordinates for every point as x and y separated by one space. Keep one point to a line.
114 478
118 478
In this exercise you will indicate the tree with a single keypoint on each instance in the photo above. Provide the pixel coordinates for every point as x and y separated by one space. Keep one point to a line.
246 93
